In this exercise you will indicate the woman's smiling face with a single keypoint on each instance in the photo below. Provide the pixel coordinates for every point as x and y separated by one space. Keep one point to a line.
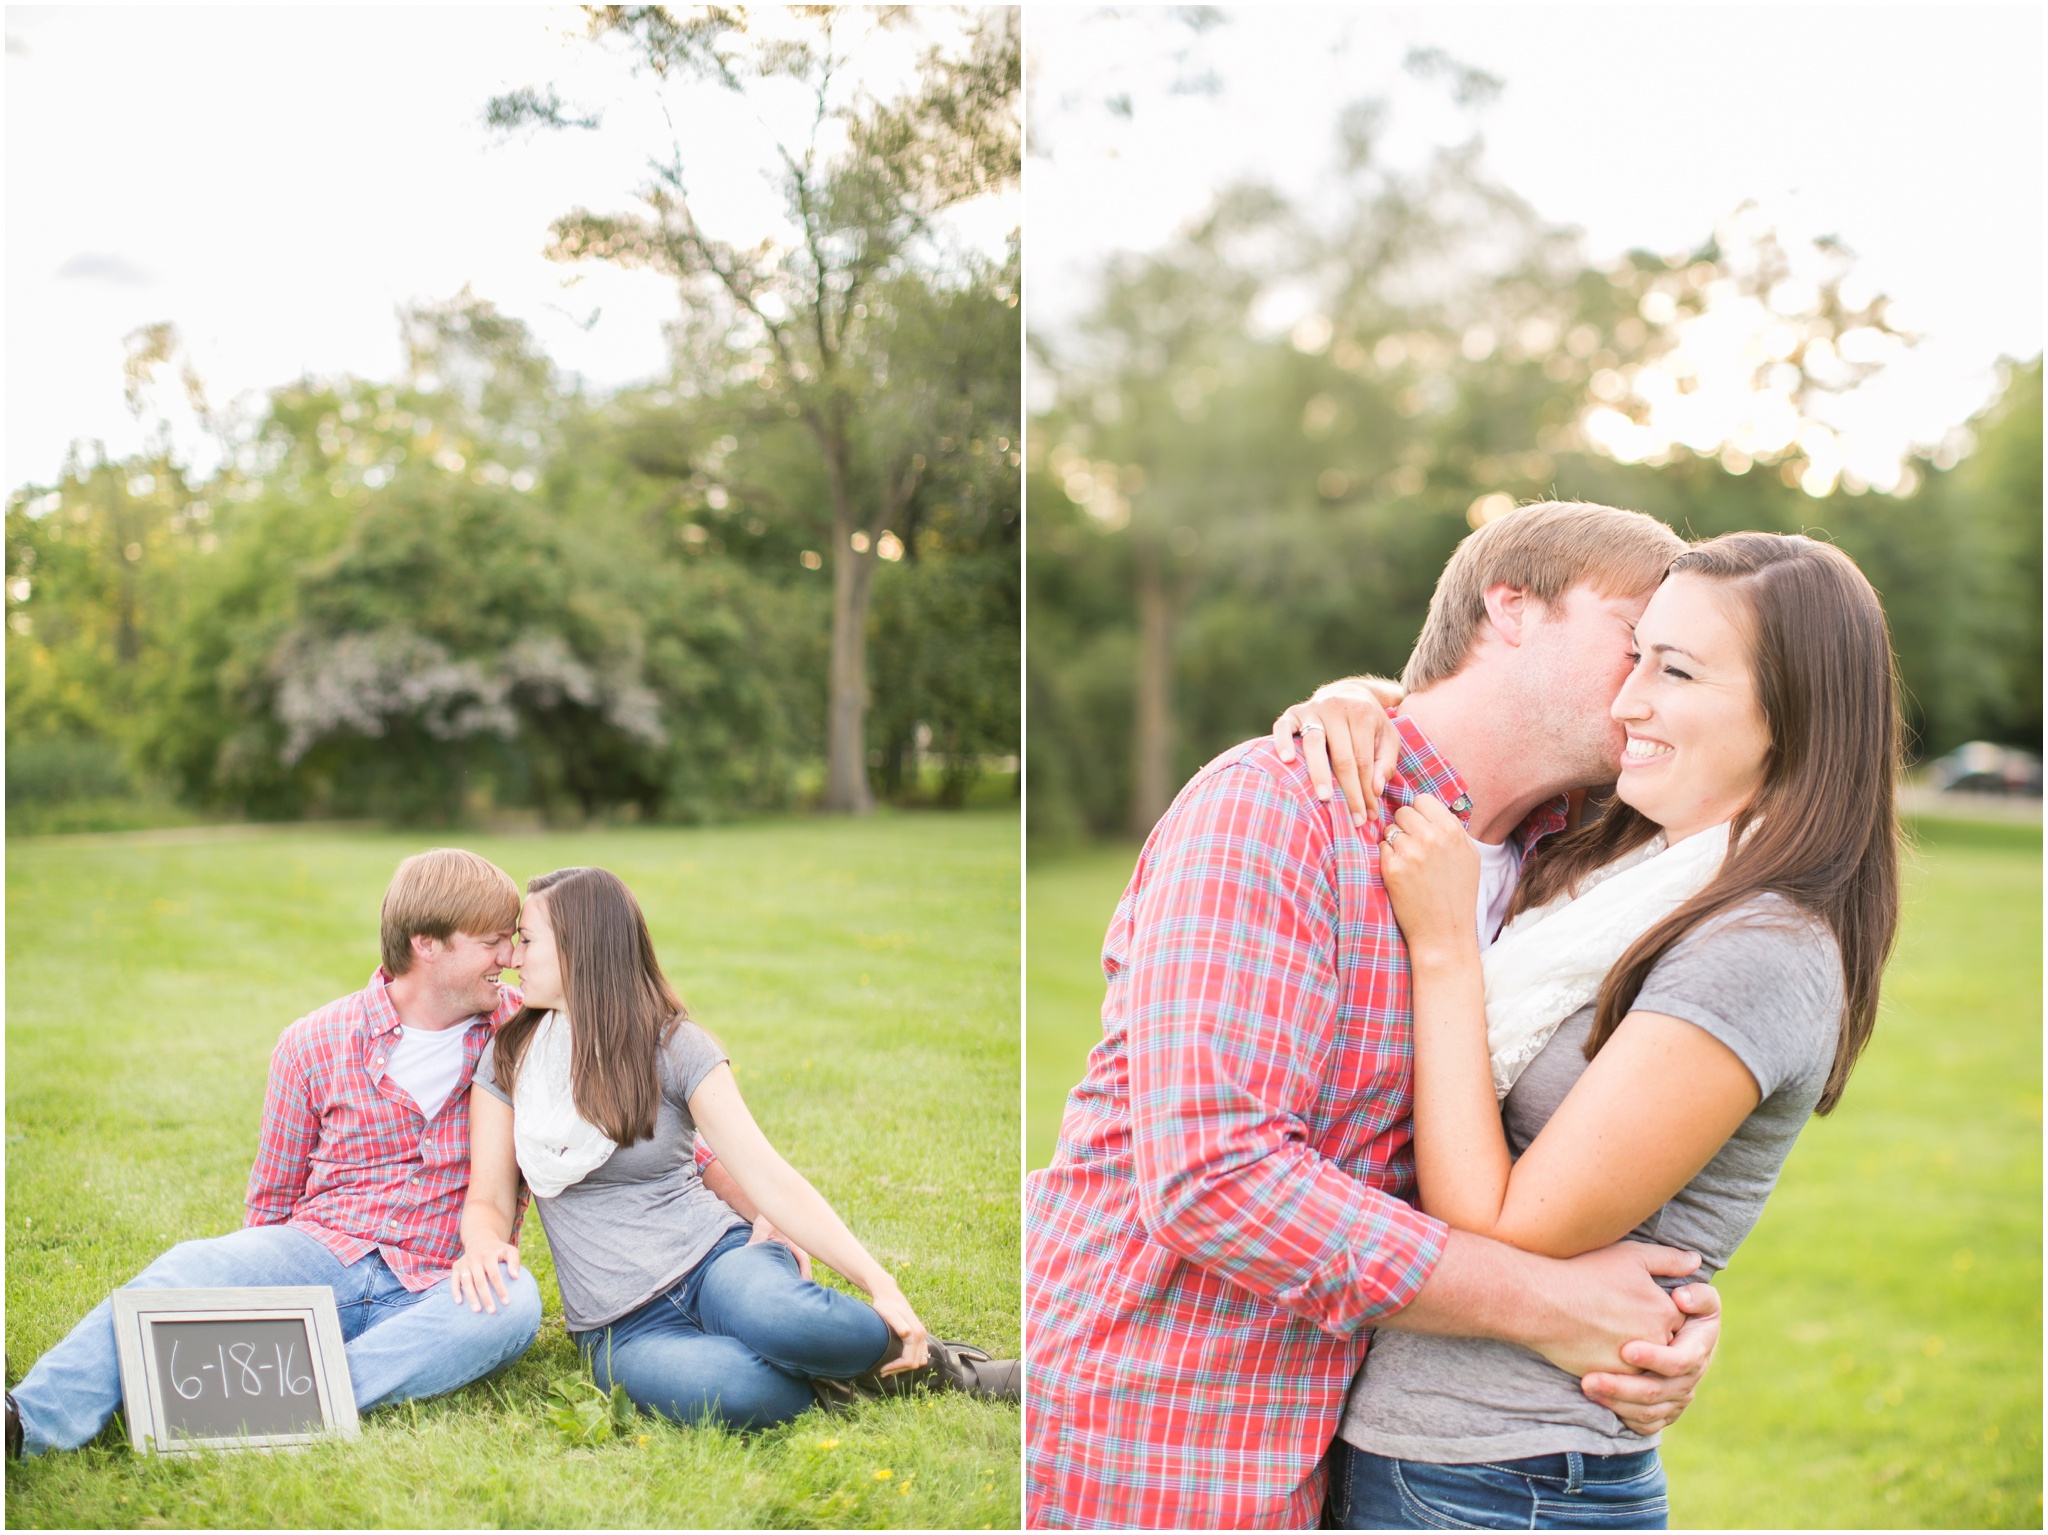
536 958
1697 737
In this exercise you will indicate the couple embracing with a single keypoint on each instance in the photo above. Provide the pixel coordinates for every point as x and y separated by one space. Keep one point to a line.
405 1126
1425 1114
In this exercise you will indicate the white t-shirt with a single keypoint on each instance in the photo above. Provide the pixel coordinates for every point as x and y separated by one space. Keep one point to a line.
1499 865
427 1063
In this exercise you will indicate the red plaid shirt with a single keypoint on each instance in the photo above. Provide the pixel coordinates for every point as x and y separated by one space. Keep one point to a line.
345 1154
1224 1216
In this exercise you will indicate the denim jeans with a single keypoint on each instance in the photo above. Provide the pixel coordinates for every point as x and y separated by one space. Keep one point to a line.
739 1337
1537 1492
399 1343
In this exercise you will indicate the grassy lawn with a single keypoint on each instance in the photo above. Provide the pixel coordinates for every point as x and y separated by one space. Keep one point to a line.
864 978
1881 1363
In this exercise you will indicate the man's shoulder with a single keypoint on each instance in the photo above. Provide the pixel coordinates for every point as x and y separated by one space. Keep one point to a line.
1249 798
1252 772
510 1001
341 1017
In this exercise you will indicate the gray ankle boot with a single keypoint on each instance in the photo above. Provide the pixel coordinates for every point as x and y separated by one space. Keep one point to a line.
952 1367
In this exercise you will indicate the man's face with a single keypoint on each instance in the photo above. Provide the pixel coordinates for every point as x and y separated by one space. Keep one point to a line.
1578 654
465 967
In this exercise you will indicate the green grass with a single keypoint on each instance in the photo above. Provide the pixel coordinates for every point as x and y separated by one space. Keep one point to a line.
863 977
1881 1360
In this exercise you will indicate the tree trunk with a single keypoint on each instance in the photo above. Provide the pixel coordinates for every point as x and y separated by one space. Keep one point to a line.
1152 734
127 603
846 743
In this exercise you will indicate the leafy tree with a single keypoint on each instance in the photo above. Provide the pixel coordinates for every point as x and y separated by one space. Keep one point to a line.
825 326
1224 516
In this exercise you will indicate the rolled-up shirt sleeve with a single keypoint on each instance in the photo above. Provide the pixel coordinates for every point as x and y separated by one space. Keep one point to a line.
285 1142
1232 1015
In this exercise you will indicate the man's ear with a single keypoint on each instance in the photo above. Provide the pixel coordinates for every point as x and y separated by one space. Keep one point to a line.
1510 610
425 948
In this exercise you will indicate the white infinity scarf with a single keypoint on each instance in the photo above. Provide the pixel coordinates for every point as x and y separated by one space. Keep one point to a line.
555 1145
1549 962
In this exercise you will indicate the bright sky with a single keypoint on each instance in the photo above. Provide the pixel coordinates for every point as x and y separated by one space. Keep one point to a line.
1914 133
276 181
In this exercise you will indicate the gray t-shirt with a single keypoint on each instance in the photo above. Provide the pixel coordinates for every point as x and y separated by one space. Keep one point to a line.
1765 980
634 1226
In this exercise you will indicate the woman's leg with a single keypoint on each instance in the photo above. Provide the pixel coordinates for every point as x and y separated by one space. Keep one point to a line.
755 1296
671 1366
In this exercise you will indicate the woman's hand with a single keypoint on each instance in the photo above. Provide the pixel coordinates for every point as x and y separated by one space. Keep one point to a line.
888 1300
476 1272
780 1192
490 1210
1431 871
1344 728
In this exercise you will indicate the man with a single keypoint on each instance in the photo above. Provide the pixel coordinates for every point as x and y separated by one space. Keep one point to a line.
1224 1221
361 1169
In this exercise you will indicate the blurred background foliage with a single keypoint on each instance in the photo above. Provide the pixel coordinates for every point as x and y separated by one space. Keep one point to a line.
477 589
1227 511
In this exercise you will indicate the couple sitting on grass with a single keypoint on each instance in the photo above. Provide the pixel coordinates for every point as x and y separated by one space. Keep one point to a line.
401 1121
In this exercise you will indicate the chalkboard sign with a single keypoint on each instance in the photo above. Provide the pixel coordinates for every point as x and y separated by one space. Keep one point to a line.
232 1368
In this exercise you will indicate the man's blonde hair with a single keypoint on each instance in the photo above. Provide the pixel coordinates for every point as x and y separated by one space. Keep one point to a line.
441 892
1546 548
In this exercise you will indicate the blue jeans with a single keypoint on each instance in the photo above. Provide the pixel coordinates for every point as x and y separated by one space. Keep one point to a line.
400 1343
1537 1492
739 1338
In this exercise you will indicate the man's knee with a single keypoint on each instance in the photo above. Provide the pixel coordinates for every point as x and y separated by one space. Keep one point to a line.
512 1327
522 1309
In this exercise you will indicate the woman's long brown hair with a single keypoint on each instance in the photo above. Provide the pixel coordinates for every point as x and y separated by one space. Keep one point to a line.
621 1007
1822 831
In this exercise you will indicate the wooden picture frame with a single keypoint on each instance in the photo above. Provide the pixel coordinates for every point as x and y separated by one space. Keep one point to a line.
240 1354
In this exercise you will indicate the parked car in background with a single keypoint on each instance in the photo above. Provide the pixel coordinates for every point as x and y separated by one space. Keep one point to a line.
1981 767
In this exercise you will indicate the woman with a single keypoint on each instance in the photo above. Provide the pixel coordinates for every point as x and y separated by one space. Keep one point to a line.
591 1093
1680 984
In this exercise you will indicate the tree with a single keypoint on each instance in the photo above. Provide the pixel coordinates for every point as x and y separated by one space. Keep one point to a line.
818 324
1227 511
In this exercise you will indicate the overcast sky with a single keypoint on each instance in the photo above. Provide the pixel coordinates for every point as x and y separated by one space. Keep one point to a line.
276 181
1912 133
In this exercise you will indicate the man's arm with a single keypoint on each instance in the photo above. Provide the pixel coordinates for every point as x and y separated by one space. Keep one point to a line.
284 1142
727 1188
1597 1313
1230 1010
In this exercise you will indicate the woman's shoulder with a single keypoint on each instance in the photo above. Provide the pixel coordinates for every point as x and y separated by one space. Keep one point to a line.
1764 977
688 1055
1767 923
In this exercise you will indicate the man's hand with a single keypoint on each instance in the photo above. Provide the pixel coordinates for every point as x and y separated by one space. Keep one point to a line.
764 1231
1654 1399
1610 1300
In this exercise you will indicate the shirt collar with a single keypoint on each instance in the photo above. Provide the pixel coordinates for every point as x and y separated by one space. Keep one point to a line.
1422 770
377 1005
383 1015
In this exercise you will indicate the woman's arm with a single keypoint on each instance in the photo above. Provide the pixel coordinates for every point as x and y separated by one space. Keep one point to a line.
726 1187
488 1212
1650 1111
786 1197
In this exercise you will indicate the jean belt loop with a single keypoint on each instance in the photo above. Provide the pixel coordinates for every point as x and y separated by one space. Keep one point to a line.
1575 1472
